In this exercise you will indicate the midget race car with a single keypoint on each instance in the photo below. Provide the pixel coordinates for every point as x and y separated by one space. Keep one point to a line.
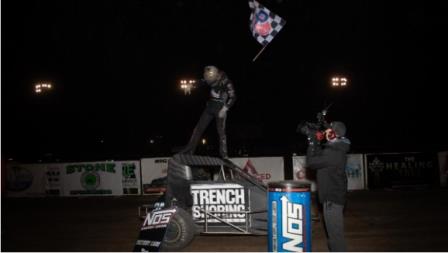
204 195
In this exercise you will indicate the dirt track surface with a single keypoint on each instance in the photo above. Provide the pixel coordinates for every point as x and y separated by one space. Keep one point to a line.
375 221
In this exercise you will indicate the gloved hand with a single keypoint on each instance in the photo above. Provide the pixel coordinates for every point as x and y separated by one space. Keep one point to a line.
222 113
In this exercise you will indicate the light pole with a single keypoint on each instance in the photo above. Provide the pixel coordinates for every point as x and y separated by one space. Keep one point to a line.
187 85
40 88
339 81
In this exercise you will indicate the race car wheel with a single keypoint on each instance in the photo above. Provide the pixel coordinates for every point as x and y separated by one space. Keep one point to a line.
180 231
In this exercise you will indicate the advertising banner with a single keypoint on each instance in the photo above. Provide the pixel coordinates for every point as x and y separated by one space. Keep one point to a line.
33 180
93 179
301 174
154 172
354 170
74 179
443 168
130 177
266 169
401 169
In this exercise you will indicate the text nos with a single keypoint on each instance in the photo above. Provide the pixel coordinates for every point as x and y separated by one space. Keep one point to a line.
158 219
292 225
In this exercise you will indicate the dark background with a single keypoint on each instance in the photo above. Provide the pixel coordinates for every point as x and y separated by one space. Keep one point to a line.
116 65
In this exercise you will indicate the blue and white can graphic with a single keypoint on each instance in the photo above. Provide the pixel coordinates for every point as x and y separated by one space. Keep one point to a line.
289 217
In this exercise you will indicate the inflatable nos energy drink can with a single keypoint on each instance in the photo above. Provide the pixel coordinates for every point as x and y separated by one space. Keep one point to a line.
289 216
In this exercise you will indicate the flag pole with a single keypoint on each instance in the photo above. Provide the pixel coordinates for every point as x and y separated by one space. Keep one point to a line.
256 56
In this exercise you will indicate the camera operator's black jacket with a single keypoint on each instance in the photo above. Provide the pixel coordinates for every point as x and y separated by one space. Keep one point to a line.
330 165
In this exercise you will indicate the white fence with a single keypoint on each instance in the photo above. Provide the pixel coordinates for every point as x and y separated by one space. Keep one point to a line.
102 178
117 178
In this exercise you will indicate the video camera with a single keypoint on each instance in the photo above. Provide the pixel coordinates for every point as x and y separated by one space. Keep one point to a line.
314 130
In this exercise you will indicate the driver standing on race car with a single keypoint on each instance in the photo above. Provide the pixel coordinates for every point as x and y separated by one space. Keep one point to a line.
222 98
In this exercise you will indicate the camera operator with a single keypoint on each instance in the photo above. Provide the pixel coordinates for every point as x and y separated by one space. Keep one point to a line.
329 163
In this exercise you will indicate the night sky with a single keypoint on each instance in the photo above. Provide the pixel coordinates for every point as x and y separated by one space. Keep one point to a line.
115 66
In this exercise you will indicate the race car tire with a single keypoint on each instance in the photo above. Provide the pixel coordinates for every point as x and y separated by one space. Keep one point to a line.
180 231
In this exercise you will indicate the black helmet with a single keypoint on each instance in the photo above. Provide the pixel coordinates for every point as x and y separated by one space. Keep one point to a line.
211 74
338 128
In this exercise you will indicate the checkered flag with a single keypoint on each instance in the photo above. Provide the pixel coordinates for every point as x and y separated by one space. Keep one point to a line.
264 24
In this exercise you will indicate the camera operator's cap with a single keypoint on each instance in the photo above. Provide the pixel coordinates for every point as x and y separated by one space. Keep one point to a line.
339 128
